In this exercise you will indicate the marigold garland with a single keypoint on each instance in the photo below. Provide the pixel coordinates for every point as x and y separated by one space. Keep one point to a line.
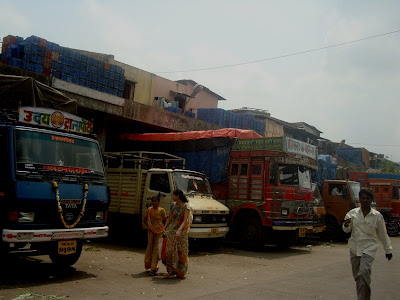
60 210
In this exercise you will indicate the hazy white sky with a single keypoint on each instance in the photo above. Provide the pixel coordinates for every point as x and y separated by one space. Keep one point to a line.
350 92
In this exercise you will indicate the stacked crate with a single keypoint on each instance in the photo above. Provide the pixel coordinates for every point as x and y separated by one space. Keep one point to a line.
38 55
229 119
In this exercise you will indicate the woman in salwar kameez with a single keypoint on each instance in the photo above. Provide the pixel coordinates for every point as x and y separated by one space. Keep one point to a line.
177 228
154 219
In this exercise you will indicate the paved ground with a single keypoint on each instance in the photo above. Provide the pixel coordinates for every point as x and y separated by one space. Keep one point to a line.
107 271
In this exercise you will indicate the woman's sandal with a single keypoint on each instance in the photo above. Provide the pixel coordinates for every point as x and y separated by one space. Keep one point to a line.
153 273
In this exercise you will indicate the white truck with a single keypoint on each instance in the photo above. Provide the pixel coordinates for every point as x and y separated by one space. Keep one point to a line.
135 177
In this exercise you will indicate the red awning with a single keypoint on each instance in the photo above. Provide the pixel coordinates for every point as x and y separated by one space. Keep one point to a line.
192 135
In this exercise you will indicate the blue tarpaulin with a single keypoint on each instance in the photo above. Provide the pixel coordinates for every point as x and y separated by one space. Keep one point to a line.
212 162
326 170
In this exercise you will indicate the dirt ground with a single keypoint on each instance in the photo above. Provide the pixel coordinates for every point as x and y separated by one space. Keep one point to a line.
113 271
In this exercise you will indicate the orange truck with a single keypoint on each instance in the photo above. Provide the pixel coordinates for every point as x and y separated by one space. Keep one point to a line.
338 196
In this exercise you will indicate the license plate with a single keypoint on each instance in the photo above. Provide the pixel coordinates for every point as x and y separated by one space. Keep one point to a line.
302 232
66 247
214 230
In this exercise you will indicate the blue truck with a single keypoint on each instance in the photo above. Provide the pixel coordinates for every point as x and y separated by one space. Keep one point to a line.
53 189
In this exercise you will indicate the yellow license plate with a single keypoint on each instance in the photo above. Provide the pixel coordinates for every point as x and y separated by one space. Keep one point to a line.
214 230
302 232
66 247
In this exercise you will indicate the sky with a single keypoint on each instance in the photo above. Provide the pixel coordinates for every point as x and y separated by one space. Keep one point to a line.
349 92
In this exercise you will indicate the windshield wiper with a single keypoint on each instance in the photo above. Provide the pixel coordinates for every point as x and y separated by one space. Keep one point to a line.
191 193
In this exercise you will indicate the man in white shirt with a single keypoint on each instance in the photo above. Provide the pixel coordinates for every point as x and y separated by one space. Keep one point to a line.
367 227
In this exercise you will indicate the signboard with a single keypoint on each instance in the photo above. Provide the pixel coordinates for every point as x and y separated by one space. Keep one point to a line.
302 148
273 144
52 118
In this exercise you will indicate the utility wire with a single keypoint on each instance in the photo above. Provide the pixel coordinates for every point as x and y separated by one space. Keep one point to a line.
283 56
373 144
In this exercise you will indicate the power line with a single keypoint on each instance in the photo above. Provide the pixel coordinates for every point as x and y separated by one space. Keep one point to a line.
283 56
373 144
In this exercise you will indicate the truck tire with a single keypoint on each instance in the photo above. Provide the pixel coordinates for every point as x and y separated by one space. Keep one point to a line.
392 228
251 234
65 260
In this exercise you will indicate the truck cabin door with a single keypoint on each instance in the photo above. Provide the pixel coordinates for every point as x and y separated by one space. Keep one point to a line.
157 183
338 199
238 179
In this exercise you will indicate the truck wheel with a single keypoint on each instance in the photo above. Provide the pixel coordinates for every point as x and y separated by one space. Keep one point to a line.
65 260
251 234
392 229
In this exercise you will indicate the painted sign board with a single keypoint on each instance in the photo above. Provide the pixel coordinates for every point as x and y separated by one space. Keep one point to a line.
51 118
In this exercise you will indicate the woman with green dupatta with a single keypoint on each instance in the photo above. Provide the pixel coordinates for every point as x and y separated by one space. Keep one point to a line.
177 228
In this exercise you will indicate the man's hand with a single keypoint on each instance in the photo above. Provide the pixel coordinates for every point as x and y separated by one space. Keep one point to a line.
389 256
346 222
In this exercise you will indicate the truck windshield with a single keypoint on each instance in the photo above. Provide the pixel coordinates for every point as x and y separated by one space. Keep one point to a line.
355 190
191 183
295 175
42 151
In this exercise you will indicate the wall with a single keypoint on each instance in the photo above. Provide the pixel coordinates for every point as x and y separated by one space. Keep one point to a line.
273 129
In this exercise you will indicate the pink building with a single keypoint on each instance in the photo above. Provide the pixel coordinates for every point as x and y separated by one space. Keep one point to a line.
184 94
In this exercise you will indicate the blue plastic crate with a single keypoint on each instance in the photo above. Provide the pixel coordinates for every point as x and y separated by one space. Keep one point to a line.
33 39
14 62
38 68
29 66
93 77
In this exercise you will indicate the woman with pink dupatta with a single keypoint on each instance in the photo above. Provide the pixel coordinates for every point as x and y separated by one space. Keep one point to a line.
154 219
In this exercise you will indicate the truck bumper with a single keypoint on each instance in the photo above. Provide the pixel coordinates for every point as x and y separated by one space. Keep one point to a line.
48 235
317 229
207 233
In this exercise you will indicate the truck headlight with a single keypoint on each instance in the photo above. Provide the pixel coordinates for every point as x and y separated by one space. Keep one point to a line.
284 211
197 219
26 217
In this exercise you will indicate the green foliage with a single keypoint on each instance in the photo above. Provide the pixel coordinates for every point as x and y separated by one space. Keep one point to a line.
389 167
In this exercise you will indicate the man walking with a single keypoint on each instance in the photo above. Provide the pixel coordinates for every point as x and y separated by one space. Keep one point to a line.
367 226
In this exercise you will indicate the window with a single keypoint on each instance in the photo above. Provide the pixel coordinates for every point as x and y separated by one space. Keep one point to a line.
336 189
235 169
160 183
395 193
294 175
46 149
272 173
256 169
288 175
243 169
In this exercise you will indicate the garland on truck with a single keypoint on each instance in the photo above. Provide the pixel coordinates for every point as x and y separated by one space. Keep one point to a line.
60 210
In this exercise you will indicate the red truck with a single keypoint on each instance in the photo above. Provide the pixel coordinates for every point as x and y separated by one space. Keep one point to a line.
386 189
265 182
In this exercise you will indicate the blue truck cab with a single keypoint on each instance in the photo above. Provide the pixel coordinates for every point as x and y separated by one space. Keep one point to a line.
53 189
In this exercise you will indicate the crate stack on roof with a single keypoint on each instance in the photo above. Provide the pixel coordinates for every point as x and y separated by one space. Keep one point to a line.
38 55
229 119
